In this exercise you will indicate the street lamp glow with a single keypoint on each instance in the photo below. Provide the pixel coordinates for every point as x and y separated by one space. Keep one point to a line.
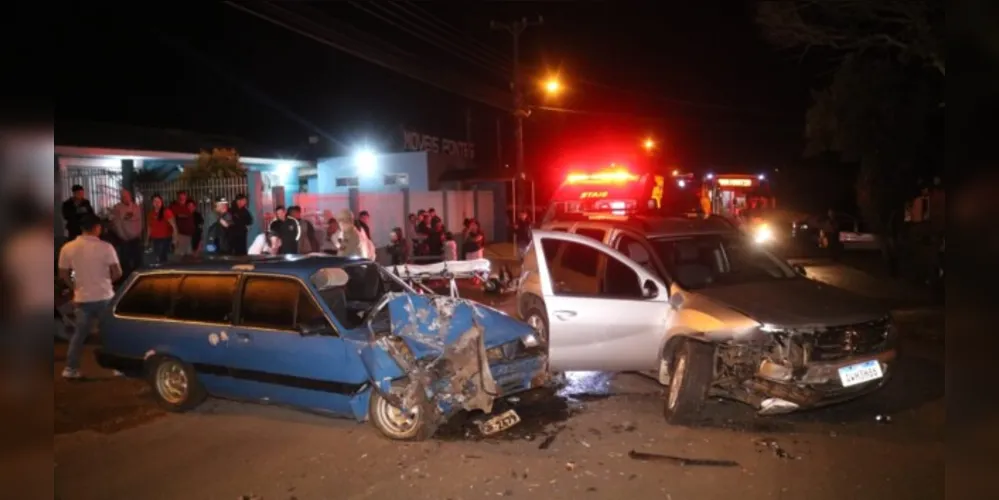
710 176
365 161
553 86
649 144
761 177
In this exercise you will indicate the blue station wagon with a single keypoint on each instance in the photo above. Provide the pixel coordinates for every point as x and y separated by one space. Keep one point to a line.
330 334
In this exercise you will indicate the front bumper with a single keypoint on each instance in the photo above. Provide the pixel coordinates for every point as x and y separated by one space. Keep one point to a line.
818 384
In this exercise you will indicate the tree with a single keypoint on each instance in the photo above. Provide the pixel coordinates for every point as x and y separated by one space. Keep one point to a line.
219 163
911 30
890 64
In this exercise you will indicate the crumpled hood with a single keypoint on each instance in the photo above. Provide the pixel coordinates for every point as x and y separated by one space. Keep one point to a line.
796 303
429 323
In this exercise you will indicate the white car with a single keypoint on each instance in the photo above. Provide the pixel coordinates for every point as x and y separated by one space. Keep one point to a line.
704 307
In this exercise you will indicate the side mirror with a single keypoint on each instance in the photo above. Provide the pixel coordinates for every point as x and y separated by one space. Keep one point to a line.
650 289
800 269
315 328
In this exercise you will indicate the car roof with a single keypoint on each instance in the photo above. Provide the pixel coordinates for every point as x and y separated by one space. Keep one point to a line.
659 226
292 265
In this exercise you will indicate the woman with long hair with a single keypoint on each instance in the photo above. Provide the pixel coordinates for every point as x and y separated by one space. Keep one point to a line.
162 229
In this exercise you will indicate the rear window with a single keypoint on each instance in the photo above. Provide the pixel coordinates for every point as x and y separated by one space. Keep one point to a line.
150 296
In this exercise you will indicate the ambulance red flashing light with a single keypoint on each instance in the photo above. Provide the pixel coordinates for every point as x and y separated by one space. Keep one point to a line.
606 176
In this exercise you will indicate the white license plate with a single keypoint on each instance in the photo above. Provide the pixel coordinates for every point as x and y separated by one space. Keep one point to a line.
860 373
499 423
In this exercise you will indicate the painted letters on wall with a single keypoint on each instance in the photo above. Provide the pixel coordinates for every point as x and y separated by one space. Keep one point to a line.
415 141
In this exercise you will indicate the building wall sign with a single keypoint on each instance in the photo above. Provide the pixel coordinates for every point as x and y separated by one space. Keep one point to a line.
415 141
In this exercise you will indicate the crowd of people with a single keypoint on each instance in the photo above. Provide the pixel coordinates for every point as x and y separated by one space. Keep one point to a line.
178 229
427 240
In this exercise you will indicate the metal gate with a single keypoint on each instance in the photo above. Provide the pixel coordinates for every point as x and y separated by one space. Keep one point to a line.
202 192
100 185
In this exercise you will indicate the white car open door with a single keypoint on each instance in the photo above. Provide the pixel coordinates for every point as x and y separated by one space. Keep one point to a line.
605 311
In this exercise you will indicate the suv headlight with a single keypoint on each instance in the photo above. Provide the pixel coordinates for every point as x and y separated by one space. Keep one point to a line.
763 234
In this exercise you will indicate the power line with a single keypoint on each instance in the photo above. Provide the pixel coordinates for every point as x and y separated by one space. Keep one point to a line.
493 52
335 38
436 41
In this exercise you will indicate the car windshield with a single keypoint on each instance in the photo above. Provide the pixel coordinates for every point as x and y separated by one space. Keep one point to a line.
717 260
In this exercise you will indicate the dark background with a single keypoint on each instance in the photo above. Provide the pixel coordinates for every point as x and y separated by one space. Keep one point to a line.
697 76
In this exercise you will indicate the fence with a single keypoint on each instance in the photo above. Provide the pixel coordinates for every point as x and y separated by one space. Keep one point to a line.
202 192
389 210
100 185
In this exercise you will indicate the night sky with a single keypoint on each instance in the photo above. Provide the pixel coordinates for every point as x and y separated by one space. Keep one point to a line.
698 77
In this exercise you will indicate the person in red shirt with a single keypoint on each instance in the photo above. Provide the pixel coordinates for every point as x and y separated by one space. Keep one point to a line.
184 224
162 231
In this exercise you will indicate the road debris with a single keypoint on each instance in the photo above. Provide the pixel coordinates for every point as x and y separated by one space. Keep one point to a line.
570 466
547 442
771 444
681 461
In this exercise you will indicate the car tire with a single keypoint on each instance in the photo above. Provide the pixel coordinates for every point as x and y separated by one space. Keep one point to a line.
691 375
175 384
392 424
536 316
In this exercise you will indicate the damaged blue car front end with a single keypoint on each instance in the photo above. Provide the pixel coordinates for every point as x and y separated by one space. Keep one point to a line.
440 355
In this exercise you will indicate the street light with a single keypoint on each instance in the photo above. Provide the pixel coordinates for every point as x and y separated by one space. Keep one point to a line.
552 86
366 161
649 144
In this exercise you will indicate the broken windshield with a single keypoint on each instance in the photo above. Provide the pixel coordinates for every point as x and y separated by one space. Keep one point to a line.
350 301
719 260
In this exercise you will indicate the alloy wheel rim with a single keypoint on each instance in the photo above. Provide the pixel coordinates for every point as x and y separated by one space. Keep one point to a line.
394 419
171 382
538 325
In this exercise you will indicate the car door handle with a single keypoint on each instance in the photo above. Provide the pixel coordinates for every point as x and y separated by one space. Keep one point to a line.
565 315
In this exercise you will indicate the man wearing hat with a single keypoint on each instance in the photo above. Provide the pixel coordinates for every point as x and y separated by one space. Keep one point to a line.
218 240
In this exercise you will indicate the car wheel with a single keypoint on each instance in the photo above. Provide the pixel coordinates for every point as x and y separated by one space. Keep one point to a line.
538 319
175 384
394 423
692 372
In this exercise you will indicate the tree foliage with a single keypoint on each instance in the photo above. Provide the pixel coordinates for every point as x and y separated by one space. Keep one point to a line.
219 163
910 30
887 86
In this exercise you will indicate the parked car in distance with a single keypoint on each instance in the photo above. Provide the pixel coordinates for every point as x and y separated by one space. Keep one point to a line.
335 335
853 234
706 309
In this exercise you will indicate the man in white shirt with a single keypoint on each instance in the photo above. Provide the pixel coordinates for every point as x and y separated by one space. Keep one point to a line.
90 266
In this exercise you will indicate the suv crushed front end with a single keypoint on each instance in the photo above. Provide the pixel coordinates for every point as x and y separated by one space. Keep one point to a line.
781 369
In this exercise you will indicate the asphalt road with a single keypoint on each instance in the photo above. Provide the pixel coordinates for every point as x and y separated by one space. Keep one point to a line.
111 442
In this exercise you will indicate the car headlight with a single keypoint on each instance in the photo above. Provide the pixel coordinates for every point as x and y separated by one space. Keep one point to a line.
763 234
503 352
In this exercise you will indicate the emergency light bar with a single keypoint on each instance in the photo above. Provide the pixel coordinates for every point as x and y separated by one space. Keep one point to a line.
599 177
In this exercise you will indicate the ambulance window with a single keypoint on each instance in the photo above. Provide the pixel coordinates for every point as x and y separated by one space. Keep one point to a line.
596 234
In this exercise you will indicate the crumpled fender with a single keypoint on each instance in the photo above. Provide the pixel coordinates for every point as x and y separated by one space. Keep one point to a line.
437 349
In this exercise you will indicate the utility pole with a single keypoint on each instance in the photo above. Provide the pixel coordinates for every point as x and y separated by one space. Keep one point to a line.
520 111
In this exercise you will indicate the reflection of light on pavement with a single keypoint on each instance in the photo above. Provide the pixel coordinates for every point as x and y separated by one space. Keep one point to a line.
586 384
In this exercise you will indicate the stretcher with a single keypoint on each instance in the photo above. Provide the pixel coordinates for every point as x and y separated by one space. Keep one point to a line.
416 275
